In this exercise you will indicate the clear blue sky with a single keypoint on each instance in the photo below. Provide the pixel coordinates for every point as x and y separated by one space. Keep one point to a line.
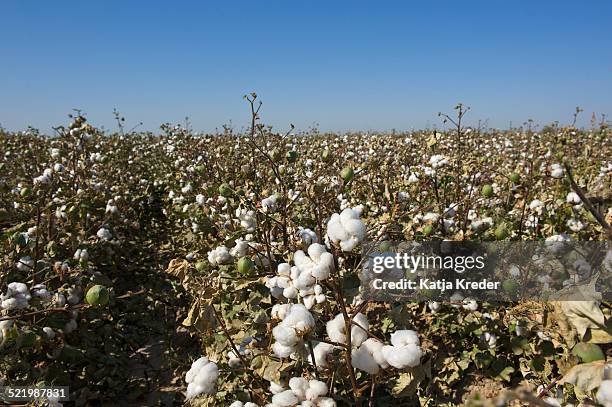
345 65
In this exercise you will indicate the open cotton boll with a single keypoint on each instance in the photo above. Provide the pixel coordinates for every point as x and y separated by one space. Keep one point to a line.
220 255
556 171
316 389
269 204
299 385
404 337
346 229
307 236
276 388
25 264
285 399
201 378
240 249
104 234
285 335
17 296
573 198
321 350
299 318
336 329
283 351
362 359
402 357
326 402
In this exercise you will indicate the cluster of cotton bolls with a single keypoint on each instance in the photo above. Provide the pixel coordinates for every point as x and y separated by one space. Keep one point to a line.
201 378
404 351
219 255
302 392
269 204
346 229
296 321
301 279
17 296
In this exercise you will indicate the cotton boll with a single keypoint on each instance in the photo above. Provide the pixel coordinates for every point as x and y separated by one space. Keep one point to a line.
307 236
309 301
104 234
316 389
17 296
359 333
280 311
25 264
362 359
290 292
299 318
285 399
321 350
285 335
326 402
201 378
404 337
489 339
276 388
240 249
220 255
315 251
299 385
573 198
49 332
556 171
434 306
336 329
401 357
470 305
282 351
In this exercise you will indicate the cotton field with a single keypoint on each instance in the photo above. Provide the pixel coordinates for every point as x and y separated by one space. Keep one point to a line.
180 268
